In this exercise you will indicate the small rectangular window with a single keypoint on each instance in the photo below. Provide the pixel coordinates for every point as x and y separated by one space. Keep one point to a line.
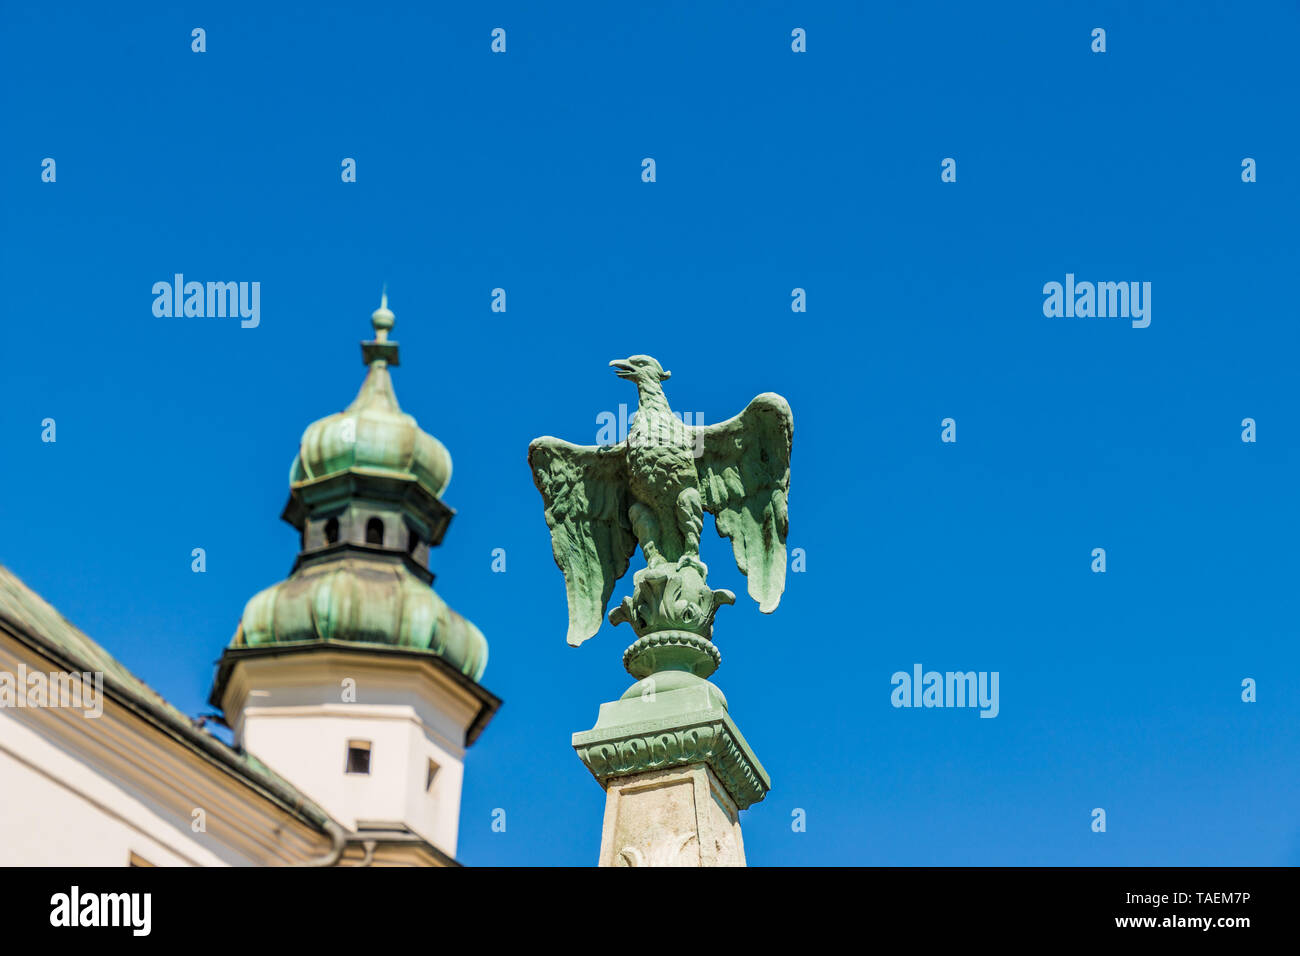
428 780
358 757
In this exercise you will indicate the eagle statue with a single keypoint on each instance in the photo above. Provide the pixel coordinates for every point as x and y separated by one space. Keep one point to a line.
652 489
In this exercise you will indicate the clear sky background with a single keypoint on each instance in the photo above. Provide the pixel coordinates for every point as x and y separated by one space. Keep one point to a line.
775 170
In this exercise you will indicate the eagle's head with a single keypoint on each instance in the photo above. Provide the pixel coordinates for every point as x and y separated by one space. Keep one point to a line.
642 369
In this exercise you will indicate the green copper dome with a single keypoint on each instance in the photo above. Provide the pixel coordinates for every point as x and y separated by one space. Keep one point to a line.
365 491
373 433
362 602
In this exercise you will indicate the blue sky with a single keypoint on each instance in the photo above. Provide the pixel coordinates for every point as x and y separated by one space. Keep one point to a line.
775 170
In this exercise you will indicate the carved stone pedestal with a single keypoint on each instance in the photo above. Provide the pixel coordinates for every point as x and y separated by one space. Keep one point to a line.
675 768
678 817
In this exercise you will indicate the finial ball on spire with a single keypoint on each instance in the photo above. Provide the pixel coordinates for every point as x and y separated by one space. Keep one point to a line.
380 349
382 318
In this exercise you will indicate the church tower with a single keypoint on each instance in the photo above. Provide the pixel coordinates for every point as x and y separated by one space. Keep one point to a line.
352 679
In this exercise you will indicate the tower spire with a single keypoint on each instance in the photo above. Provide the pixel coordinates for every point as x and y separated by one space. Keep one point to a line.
380 349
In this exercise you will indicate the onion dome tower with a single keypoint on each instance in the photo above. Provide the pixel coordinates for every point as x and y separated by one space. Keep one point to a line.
353 678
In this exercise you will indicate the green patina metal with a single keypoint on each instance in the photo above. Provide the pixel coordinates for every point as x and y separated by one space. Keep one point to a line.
652 490
373 435
671 717
365 492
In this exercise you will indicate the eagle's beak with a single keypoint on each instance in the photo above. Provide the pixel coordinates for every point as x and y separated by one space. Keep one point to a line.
622 367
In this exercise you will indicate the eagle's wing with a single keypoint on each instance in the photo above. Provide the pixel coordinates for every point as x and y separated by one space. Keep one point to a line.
744 470
585 491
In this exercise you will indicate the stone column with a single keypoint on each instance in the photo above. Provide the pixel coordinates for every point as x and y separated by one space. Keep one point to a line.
675 768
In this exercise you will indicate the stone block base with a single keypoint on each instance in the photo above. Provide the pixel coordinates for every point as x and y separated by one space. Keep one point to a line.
677 817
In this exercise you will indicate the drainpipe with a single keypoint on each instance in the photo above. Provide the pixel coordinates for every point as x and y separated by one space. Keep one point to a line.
338 840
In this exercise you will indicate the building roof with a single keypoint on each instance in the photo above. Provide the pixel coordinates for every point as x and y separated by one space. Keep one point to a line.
31 620
372 437
369 463
34 622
